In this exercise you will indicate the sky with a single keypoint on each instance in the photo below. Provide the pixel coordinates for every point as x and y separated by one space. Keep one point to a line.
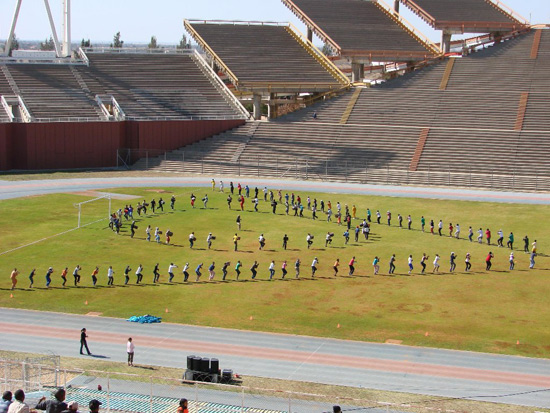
138 20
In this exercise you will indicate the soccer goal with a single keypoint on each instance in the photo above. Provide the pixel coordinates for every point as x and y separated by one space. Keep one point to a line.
93 210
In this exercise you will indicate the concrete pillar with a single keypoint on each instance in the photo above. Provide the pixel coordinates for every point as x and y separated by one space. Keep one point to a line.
257 106
362 71
396 6
356 71
272 111
309 34
446 42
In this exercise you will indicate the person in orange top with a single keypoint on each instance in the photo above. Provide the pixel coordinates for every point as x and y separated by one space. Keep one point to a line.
13 278
336 265
94 275
64 276
183 406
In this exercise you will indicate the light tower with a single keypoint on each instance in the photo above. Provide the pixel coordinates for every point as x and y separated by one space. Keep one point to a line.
66 51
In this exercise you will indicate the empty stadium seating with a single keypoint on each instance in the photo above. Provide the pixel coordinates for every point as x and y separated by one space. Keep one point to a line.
163 86
264 54
51 91
359 27
471 128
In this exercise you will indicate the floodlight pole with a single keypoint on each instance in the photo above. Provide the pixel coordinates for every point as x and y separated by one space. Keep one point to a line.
13 24
66 23
54 32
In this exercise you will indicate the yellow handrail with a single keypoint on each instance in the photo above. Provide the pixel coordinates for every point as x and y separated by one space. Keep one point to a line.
320 56
204 45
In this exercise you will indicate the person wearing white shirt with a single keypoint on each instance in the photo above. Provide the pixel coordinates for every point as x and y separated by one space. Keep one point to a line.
110 276
148 232
185 272
171 269
139 274
19 405
209 239
512 263
457 231
479 235
130 347
410 262
261 241
309 240
314 266
440 226
271 270
436 263
500 238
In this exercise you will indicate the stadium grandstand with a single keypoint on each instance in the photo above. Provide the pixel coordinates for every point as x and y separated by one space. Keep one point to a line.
451 123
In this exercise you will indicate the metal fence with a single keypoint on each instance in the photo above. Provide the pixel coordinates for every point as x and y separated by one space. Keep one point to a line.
147 393
333 170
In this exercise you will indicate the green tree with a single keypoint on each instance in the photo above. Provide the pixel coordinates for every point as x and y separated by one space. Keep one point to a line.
184 44
14 44
47 44
85 43
327 50
153 43
117 43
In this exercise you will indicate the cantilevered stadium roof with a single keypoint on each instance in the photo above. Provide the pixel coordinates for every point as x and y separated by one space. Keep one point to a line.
367 29
266 57
467 16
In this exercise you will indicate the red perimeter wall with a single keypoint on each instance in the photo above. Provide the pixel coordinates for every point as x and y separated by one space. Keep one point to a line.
94 144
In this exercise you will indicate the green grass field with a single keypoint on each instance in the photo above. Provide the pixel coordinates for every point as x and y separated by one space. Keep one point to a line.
479 311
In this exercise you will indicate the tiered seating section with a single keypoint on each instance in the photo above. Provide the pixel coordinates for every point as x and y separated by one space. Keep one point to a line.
484 15
360 27
469 130
156 86
146 86
264 54
50 92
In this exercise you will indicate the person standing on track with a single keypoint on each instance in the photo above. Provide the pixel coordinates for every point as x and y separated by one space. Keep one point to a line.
130 348
84 342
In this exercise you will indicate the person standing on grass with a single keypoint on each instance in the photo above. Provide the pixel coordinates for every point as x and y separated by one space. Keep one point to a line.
512 263
500 238
205 201
192 240
76 275
488 261
285 241
64 276
110 277
423 262
239 222
139 275
410 262
526 244
297 267
241 202
13 278
436 263
453 262
309 240
346 237
254 269
224 269
409 222
457 231
261 241
422 222
432 226
229 200
157 235
392 264
283 269
378 216
171 269
488 236
351 266
209 239
130 348
133 228
467 261
198 270
236 239
94 276
510 243
440 227
480 235
148 233
213 183
376 265
172 202
271 270
211 271
31 278
314 266
127 274
335 266
84 341
470 234
450 229
49 277
185 272
156 273
238 269
388 216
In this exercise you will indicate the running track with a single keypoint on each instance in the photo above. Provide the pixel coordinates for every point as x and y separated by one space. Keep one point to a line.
500 379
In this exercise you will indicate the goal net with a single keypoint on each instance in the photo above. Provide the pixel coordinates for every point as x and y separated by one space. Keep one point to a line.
93 211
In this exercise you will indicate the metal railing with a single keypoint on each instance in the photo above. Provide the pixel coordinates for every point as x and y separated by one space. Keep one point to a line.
7 108
522 179
221 85
82 54
25 114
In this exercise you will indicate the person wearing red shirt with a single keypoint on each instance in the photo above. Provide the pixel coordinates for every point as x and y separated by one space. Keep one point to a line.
488 236
488 261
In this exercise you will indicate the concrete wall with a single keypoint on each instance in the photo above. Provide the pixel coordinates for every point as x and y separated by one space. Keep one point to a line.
36 146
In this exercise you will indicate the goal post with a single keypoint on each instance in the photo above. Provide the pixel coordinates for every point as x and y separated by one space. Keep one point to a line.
92 211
